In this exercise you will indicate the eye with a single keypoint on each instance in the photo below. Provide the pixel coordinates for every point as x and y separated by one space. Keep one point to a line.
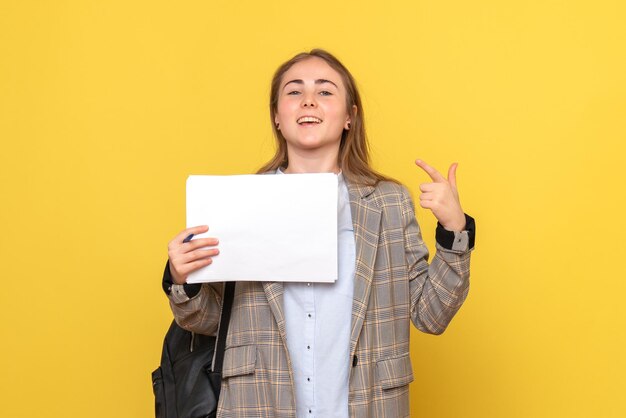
325 93
293 92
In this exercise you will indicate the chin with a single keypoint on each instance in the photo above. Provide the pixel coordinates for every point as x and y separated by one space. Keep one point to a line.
313 143
313 146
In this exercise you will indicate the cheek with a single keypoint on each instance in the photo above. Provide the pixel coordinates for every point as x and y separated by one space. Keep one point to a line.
338 115
284 110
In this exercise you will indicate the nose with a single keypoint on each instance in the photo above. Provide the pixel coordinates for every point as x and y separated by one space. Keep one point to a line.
308 101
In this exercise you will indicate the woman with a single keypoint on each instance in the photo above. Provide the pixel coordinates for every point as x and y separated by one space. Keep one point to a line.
339 349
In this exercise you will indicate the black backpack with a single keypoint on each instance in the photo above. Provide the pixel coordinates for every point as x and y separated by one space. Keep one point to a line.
186 386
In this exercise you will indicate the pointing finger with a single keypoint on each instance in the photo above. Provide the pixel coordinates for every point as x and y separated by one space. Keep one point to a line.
434 174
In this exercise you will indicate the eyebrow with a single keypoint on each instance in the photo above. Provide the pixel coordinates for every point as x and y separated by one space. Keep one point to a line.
318 81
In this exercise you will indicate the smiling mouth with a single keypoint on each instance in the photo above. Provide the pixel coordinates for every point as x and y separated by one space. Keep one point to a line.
308 120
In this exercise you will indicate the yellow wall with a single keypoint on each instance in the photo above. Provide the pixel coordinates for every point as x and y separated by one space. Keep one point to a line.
107 106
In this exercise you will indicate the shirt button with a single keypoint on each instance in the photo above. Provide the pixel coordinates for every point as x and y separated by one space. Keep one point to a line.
308 284
309 315
308 379
310 411
308 347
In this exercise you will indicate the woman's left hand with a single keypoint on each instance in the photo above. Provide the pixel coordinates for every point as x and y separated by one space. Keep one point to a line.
442 197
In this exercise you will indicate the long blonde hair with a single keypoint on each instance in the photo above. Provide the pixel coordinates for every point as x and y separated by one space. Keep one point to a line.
353 149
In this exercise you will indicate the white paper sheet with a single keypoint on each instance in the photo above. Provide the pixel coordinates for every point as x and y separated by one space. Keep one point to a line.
270 227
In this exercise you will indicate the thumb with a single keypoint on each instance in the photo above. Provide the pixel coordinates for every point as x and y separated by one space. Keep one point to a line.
452 174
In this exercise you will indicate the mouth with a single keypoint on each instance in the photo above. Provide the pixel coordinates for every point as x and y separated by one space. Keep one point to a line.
308 120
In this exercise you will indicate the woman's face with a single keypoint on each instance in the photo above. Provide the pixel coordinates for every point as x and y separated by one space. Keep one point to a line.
311 111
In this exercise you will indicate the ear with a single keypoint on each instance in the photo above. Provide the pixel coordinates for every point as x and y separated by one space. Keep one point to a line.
346 126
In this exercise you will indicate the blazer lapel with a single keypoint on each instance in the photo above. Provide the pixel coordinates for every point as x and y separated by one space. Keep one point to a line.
366 216
274 292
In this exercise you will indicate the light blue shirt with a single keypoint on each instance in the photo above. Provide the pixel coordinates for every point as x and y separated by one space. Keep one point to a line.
318 317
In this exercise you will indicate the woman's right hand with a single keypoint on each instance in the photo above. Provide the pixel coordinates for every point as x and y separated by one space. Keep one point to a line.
187 257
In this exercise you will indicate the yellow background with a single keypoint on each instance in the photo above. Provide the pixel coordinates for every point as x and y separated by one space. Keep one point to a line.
107 106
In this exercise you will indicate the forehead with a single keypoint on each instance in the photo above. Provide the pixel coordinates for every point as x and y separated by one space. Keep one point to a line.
312 69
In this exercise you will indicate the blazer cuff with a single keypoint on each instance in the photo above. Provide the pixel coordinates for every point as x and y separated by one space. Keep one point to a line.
457 240
190 290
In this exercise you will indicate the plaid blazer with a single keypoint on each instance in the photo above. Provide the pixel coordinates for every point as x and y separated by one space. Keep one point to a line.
393 286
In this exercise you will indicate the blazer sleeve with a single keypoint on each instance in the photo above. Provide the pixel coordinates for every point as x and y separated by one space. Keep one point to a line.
199 313
437 290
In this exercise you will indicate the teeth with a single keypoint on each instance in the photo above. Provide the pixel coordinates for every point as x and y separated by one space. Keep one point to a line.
309 119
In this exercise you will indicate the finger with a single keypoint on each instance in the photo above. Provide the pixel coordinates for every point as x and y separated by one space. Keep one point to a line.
199 254
427 196
195 230
427 187
196 265
183 263
452 174
434 174
426 204
199 243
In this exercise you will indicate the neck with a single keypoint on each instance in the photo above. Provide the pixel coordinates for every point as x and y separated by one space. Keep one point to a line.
312 162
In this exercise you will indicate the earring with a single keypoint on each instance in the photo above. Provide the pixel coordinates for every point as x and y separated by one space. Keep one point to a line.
348 126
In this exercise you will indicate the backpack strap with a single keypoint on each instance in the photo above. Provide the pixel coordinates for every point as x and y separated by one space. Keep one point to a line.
229 294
